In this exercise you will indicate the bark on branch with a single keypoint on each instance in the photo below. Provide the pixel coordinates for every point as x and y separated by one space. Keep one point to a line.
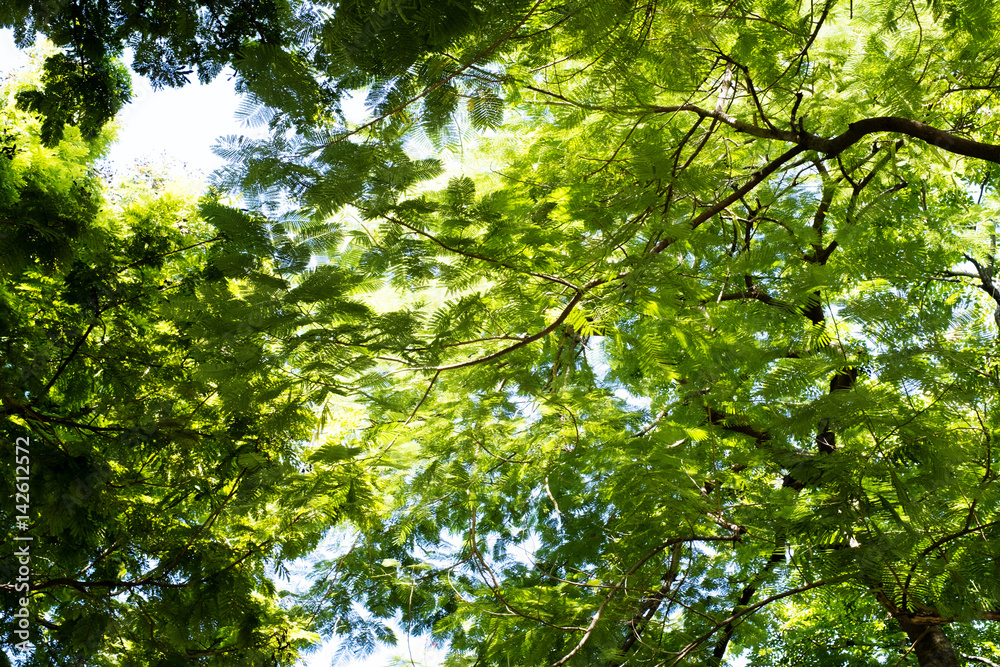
777 557
855 132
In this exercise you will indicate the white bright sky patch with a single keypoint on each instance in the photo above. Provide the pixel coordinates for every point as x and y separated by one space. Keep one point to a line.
180 124
10 57
177 125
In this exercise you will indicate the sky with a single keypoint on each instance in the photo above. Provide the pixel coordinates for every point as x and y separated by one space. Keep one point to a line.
174 124
180 125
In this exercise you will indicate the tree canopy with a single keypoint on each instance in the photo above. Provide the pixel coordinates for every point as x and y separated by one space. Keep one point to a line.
140 378
635 333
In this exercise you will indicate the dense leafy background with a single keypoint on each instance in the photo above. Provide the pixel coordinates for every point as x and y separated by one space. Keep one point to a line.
619 333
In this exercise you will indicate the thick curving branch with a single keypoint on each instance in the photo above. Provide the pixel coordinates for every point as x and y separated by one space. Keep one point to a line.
856 131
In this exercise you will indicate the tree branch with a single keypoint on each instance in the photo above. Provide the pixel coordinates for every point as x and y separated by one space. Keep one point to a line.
652 604
516 346
621 582
737 194
749 610
777 556
472 255
721 419
69 358
855 132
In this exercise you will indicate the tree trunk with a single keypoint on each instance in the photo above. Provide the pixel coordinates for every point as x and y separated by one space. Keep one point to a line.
932 647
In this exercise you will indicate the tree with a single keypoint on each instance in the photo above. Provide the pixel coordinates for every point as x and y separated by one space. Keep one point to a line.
704 366
157 434
275 48
714 370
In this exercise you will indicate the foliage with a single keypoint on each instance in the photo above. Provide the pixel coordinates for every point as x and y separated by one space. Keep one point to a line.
169 39
705 365
296 57
142 367
702 365
64 82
